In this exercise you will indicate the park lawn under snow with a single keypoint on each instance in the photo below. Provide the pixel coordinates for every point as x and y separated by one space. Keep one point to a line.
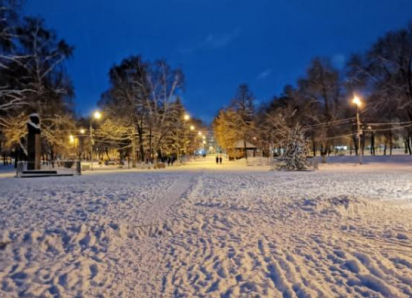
209 231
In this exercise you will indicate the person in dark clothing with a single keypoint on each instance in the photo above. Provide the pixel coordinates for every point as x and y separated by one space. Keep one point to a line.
217 159
220 159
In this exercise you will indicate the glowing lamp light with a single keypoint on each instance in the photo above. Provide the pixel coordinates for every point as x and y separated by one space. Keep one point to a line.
356 100
71 139
200 133
97 115
192 127
82 131
186 117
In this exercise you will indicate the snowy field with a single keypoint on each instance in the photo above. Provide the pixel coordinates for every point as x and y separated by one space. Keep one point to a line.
204 230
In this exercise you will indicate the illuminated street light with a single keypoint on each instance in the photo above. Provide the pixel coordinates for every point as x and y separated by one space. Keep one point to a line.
97 115
82 131
71 139
200 133
186 117
356 100
192 127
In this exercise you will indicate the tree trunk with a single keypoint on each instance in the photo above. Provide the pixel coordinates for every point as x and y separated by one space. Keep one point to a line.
314 148
363 143
407 145
408 142
52 156
355 144
134 151
313 144
141 147
150 144
372 143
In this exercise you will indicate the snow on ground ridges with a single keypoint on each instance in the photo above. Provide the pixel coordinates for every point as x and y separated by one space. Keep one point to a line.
208 234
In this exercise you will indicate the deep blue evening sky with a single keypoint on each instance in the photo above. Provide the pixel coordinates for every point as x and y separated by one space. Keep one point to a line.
218 43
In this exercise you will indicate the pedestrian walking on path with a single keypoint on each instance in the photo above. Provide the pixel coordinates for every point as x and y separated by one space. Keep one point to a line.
220 159
217 159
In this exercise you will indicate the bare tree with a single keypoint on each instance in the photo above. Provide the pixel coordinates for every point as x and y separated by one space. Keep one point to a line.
36 82
243 106
384 73
143 97
322 87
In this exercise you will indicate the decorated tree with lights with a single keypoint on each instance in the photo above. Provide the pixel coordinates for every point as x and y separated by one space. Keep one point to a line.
295 150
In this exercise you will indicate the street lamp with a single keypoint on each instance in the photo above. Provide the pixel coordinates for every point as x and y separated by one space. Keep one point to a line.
186 117
96 115
192 127
82 132
72 141
356 101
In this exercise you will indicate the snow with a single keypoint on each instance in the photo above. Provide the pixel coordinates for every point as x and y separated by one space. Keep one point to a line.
34 125
207 230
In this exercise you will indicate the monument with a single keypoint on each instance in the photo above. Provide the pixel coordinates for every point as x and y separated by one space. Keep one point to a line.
34 143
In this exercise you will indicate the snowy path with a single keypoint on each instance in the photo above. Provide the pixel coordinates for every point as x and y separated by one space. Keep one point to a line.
208 234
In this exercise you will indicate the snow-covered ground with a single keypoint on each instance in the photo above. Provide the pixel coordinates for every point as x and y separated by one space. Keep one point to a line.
206 230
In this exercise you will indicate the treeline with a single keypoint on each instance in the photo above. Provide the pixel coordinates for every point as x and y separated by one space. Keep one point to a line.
32 79
320 104
143 117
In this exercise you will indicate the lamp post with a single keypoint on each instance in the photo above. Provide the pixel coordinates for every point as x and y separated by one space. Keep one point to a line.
96 115
72 141
81 142
358 104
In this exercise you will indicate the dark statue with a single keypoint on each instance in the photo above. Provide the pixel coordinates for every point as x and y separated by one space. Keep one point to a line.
34 143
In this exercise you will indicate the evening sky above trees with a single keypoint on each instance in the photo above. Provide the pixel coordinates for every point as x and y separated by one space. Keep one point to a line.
151 94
